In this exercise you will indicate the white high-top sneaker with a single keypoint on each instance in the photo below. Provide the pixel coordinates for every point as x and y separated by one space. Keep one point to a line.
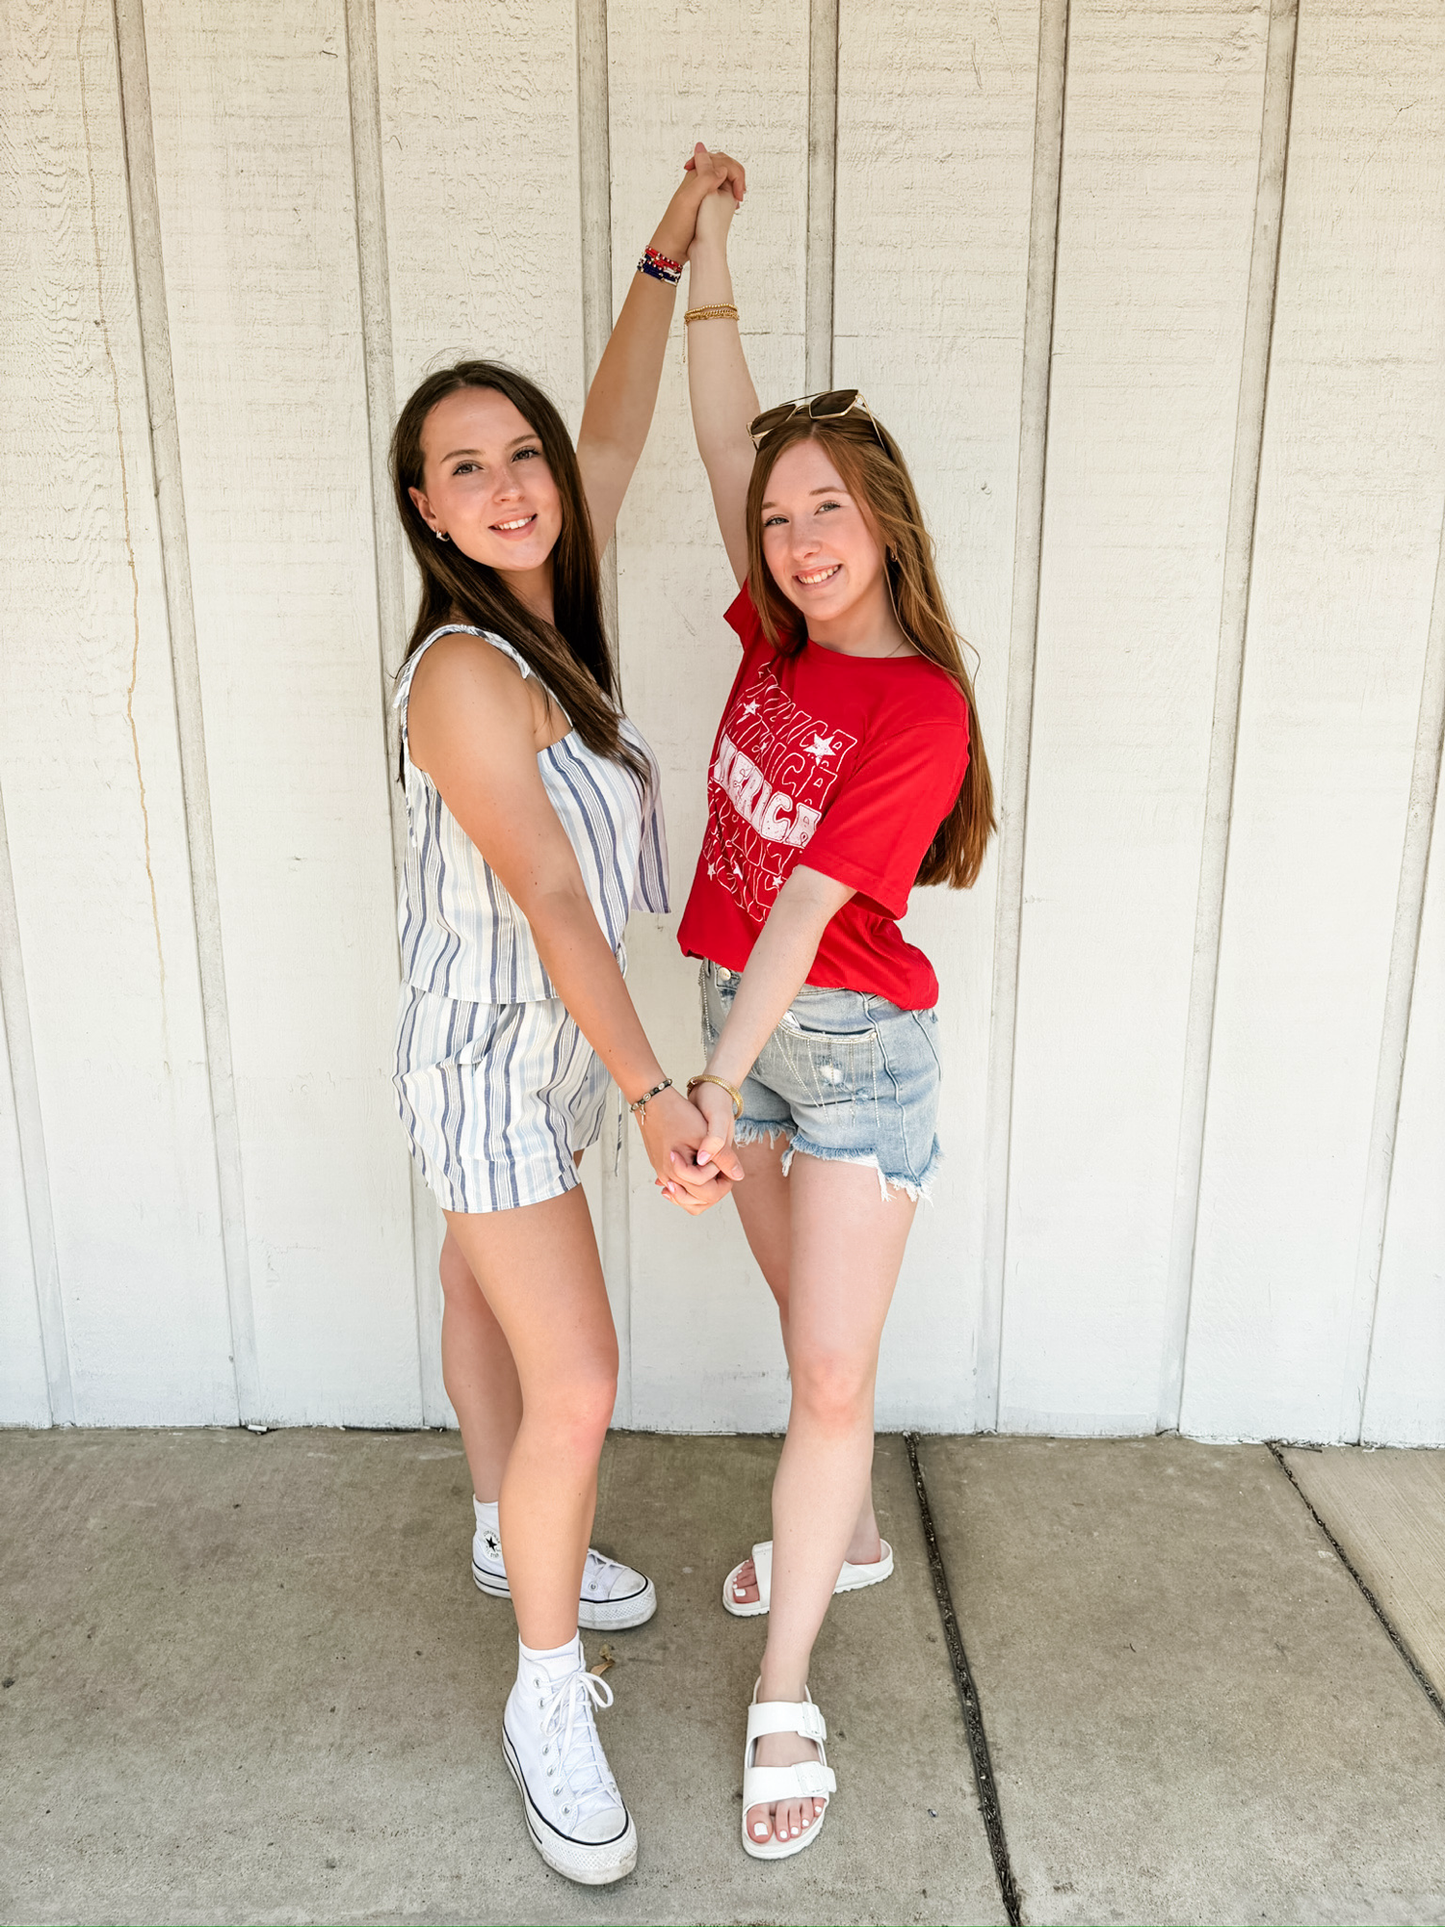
573 1810
614 1597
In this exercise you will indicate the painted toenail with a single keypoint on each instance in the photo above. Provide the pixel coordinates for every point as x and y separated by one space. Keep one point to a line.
761 1831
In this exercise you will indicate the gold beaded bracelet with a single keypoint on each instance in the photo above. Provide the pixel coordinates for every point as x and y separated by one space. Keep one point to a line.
706 1077
721 311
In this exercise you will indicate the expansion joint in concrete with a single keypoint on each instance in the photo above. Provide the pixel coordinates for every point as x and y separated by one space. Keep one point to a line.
968 1699
1421 1677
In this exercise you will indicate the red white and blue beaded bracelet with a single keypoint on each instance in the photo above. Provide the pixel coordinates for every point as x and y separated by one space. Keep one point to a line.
659 267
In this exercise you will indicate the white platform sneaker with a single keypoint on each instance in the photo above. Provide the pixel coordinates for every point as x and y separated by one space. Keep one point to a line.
613 1598
573 1810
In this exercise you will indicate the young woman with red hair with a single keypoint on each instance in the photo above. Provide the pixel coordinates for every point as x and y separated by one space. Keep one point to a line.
847 767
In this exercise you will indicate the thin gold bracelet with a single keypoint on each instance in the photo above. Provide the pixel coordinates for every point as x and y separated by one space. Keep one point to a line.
720 311
706 1077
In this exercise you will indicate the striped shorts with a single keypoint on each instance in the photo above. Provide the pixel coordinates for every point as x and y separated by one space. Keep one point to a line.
496 1099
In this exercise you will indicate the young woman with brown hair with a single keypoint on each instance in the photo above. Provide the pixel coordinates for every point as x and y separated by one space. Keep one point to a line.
847 767
533 823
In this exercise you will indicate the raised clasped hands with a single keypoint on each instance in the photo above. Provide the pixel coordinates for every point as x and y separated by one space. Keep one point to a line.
706 177
721 181
696 1163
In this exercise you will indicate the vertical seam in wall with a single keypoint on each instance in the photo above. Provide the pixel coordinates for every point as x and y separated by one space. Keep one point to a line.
34 1165
1399 998
594 193
1237 575
127 532
363 89
157 372
1036 377
822 222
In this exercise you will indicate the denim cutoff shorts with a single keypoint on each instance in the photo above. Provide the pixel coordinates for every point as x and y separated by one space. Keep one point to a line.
845 1077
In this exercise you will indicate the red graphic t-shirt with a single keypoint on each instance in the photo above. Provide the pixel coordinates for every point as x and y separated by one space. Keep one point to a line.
846 763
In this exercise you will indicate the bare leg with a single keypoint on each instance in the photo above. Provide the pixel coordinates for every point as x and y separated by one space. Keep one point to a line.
846 1246
540 1274
479 1372
764 1204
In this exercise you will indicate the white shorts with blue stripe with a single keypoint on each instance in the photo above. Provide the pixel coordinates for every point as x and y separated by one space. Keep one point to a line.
497 1099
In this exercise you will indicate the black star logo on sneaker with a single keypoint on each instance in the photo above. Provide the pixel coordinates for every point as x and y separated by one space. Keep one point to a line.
493 1545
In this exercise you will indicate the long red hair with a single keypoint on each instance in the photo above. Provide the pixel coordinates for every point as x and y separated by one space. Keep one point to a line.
876 476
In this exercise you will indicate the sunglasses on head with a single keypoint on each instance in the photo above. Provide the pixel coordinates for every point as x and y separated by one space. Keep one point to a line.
827 406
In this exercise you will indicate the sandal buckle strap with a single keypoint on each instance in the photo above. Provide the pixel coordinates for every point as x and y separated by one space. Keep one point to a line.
764 1785
783 1716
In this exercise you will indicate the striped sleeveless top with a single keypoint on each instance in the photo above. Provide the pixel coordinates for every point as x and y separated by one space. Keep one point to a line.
462 935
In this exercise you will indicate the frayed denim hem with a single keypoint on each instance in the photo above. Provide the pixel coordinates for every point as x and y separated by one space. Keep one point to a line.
747 1130
919 1190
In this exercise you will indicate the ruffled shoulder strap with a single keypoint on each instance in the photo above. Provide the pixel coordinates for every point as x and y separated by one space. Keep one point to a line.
408 668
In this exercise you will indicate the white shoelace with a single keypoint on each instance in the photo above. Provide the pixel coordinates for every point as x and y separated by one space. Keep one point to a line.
600 1574
583 1767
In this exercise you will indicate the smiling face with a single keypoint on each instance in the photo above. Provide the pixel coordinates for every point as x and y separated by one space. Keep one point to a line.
486 483
822 550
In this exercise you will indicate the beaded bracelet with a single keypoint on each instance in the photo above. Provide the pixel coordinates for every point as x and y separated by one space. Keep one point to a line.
720 311
639 1105
659 266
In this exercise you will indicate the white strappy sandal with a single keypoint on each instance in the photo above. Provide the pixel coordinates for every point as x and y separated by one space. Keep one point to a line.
850 1579
764 1786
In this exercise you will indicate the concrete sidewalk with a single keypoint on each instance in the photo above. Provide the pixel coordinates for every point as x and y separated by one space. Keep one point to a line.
249 1679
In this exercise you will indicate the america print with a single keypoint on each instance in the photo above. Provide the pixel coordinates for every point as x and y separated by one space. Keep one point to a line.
775 768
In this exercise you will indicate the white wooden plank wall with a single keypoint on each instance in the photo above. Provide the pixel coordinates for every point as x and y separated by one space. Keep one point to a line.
705 1347
253 158
1346 550
479 143
24 1394
931 289
1406 1396
220 314
91 769
1155 222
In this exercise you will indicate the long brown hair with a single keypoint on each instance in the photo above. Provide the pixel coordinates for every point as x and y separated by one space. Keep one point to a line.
876 476
570 655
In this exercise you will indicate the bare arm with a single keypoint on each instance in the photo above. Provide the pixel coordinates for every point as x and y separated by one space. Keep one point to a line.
719 386
470 722
776 971
624 389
